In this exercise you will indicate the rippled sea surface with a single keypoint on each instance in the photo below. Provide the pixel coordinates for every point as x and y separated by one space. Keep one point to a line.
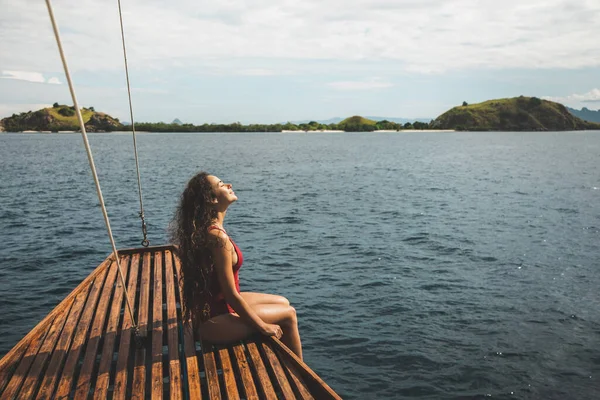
422 265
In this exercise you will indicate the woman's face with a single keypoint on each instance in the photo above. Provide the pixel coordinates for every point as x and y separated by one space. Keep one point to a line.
223 191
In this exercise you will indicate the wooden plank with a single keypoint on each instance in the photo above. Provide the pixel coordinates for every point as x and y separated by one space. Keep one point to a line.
120 385
150 249
189 343
286 389
110 333
43 325
157 330
191 362
62 347
172 330
33 377
138 390
64 385
245 373
325 392
228 374
210 369
261 371
85 373
297 380
23 367
11 365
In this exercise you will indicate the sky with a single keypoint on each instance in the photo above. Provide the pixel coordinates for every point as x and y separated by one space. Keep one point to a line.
268 61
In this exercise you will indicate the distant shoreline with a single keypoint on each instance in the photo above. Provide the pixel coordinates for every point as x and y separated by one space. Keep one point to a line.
417 130
283 131
379 130
517 114
301 131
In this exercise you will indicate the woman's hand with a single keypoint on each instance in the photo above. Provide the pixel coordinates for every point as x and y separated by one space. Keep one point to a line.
272 330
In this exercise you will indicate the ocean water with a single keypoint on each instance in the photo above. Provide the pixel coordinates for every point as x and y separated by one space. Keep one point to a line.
422 265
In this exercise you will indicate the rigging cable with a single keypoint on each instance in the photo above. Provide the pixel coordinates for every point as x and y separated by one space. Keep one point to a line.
93 168
145 241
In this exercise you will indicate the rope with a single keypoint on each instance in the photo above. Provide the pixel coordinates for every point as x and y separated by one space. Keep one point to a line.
91 161
145 241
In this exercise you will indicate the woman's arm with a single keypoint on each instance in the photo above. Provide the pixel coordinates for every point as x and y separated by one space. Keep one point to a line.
223 262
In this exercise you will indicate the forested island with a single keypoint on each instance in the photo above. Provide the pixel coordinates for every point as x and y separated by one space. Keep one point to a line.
514 114
60 118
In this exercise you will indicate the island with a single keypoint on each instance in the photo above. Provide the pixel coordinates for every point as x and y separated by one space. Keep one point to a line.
513 114
60 118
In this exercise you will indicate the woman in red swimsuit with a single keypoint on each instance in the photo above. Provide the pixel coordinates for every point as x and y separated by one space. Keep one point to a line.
210 262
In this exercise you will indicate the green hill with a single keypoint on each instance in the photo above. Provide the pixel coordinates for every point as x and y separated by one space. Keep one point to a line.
357 120
60 118
357 124
514 114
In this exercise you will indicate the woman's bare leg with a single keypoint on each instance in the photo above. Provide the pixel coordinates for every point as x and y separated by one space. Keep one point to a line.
227 328
285 316
291 335
264 298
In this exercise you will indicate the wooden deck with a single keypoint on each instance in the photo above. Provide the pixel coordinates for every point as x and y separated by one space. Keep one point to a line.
85 347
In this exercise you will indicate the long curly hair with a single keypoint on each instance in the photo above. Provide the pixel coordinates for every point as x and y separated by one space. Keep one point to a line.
189 231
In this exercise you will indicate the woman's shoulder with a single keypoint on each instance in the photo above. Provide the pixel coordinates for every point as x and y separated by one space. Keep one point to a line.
217 232
219 236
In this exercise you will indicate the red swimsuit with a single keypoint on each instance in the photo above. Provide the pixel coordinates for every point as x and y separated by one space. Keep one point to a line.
216 301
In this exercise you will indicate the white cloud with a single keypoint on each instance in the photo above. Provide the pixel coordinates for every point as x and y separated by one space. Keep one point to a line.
9 109
35 77
425 36
593 96
24 76
360 85
257 72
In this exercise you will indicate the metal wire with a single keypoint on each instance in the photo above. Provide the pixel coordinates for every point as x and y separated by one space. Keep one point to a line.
145 241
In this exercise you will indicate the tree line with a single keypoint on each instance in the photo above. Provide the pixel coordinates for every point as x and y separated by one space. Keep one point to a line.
62 117
312 126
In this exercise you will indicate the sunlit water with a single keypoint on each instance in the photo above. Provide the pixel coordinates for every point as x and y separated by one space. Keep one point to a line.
431 265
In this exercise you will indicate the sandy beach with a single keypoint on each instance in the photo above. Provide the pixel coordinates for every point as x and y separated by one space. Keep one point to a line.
318 130
382 130
416 130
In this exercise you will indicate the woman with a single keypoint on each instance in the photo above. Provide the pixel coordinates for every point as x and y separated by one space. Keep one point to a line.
210 261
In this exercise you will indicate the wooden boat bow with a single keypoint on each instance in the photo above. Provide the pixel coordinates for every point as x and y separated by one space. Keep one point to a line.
85 347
